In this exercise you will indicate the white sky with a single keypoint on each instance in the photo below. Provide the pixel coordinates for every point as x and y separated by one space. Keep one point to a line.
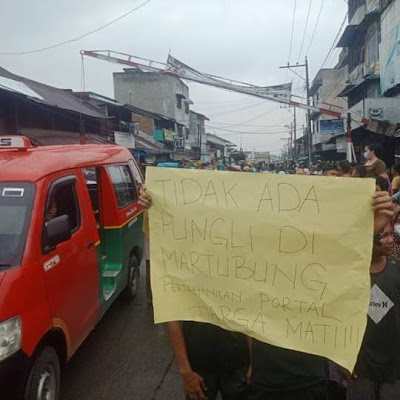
245 40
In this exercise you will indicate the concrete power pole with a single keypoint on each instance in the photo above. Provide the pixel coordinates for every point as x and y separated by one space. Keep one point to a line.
309 133
294 133
307 79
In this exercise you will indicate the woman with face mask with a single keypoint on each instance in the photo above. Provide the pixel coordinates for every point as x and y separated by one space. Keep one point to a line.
375 166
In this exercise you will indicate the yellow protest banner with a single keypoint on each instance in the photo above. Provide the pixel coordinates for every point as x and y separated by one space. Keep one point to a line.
284 259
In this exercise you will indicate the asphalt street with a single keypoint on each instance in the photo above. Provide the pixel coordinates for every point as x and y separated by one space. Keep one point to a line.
125 357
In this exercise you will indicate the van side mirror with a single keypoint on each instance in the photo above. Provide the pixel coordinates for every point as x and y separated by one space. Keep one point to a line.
57 230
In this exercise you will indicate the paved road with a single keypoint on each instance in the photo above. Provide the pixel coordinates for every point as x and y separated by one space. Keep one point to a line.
126 357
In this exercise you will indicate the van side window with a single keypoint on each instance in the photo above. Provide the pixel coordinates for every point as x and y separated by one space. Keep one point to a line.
92 183
64 201
124 187
136 174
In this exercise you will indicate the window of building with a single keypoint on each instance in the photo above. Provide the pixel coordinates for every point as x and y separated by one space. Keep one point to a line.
373 90
179 101
180 130
353 7
124 187
186 108
186 133
372 45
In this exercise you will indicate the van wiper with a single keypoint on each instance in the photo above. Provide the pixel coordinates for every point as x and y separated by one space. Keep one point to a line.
4 265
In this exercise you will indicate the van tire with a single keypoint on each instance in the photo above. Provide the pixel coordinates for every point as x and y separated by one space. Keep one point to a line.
132 288
44 375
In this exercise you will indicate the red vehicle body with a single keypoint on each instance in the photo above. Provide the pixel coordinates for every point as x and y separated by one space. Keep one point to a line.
55 284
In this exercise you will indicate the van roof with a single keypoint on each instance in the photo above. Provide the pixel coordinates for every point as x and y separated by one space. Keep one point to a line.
34 163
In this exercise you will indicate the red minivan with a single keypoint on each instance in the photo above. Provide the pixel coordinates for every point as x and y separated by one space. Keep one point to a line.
71 241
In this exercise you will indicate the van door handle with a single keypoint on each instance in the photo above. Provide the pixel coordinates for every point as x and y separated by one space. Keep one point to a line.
90 245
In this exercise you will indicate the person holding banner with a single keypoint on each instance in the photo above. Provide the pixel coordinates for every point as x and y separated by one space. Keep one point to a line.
280 374
210 359
213 360
377 372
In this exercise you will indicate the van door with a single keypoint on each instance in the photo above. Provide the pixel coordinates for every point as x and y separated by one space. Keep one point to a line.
71 270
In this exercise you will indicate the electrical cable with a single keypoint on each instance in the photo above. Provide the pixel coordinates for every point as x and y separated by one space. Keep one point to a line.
210 108
248 133
315 27
335 41
291 36
239 109
305 30
18 53
225 125
220 101
251 119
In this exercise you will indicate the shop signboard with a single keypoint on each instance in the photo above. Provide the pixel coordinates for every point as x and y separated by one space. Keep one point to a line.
125 139
179 144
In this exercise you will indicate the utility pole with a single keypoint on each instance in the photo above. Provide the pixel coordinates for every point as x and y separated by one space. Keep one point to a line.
309 133
294 133
307 79
349 142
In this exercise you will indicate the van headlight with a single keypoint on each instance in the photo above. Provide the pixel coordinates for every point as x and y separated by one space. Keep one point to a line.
10 337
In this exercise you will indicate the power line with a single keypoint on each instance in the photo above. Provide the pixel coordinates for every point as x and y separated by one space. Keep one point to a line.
221 101
305 30
75 39
315 27
335 41
211 108
291 36
238 109
225 125
251 119
248 133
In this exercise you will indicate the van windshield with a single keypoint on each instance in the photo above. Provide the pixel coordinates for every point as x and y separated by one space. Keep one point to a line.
16 201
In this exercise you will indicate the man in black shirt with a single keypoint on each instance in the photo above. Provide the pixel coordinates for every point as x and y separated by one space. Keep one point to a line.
377 372
280 374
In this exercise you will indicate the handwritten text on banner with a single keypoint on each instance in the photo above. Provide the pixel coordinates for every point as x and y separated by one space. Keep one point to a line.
283 259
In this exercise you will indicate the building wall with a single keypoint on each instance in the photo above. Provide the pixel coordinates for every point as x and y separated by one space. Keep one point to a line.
152 92
332 81
390 49
197 129
146 124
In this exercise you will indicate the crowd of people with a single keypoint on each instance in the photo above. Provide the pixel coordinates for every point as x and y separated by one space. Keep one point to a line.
212 360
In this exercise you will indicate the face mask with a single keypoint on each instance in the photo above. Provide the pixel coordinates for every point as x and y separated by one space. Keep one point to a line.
366 156
397 230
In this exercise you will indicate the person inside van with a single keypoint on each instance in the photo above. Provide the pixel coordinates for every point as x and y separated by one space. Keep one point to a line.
51 212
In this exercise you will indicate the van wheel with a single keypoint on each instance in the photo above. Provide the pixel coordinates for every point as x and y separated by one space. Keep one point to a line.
43 381
132 287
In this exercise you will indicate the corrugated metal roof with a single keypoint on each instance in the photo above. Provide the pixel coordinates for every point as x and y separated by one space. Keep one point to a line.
148 147
46 94
42 137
